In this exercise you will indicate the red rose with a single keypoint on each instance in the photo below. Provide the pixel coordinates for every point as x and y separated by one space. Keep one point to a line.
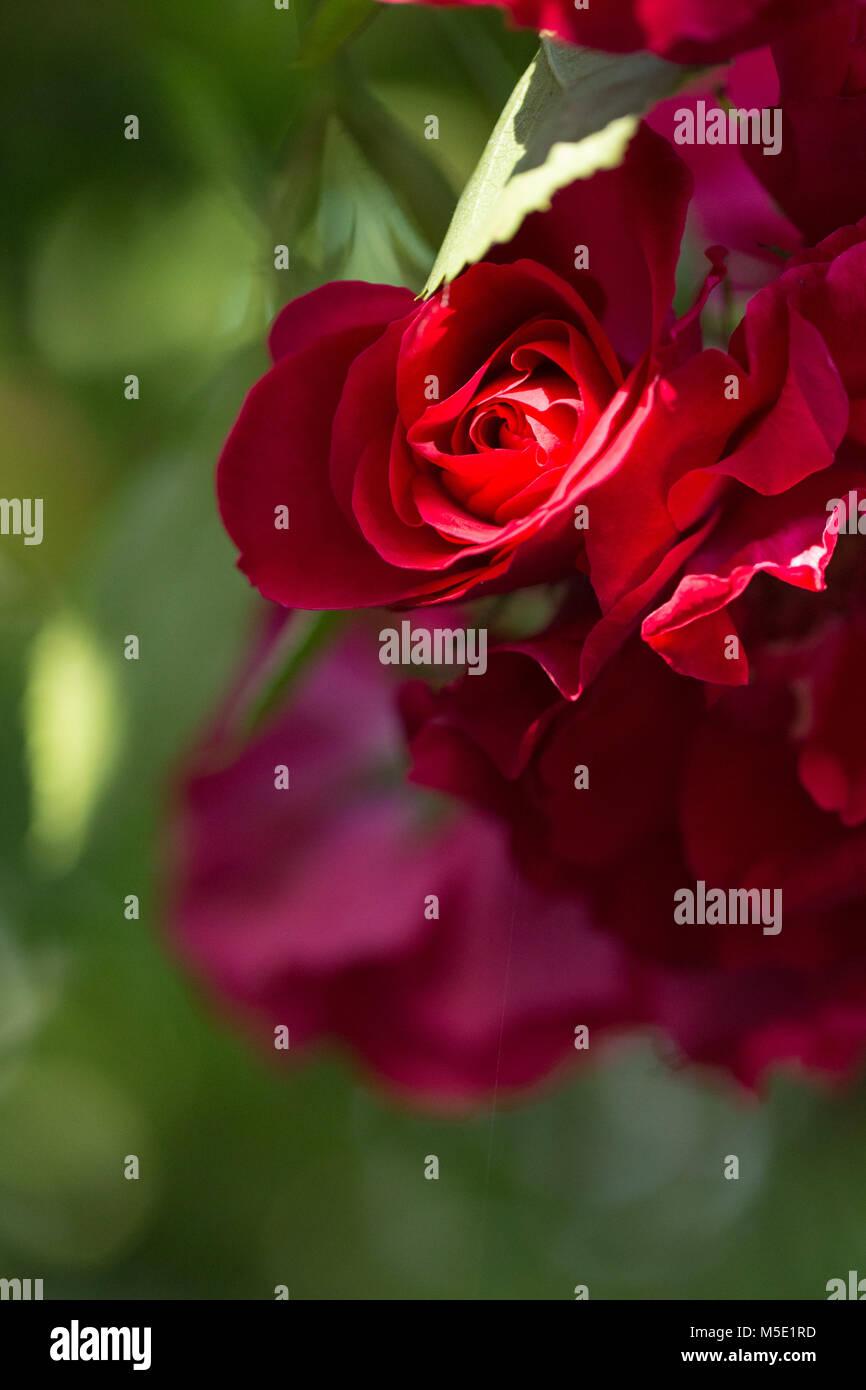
686 31
415 450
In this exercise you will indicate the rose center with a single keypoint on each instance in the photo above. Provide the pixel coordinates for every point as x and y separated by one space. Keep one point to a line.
499 444
504 424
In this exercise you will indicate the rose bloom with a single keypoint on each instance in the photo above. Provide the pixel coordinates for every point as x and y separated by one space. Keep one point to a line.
686 31
425 449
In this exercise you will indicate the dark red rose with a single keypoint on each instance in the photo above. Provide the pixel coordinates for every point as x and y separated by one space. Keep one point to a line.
425 448
761 787
686 31
819 179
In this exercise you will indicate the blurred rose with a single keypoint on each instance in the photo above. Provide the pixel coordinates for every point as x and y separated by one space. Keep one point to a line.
310 907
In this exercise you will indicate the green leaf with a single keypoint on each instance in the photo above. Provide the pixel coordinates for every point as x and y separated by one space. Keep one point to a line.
410 176
573 112
361 231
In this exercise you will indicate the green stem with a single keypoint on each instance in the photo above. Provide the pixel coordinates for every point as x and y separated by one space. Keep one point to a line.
303 636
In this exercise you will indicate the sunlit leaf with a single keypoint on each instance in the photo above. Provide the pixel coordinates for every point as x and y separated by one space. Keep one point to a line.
572 113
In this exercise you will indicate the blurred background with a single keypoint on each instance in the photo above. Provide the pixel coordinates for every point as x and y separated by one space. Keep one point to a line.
155 257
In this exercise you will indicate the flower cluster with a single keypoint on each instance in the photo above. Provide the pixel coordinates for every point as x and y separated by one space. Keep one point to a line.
548 433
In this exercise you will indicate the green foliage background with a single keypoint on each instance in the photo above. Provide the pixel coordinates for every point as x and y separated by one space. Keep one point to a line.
260 126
